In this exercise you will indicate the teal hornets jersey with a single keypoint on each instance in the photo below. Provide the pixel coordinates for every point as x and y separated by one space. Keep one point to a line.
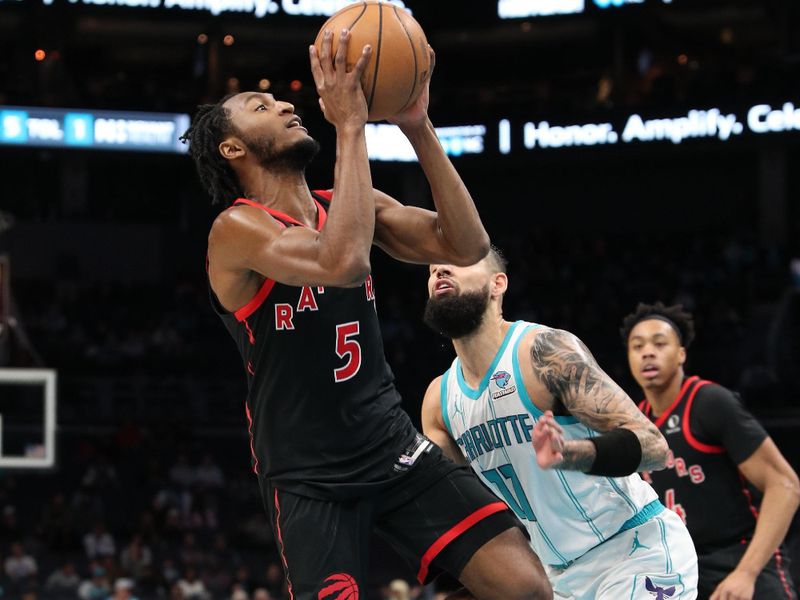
567 513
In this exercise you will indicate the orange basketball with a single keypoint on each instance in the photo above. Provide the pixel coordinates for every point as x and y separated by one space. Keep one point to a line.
399 65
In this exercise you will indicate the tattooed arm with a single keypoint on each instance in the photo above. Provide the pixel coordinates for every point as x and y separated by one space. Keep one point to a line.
566 368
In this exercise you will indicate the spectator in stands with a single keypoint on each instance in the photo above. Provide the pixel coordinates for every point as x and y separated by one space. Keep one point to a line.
151 583
191 554
20 567
123 590
275 579
99 543
239 593
192 587
399 590
100 475
217 578
208 473
96 588
243 578
136 558
176 592
56 526
226 556
148 530
182 474
261 594
64 581
10 529
170 572
171 528
113 570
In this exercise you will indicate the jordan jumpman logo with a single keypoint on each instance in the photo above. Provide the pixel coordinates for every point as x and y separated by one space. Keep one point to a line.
637 544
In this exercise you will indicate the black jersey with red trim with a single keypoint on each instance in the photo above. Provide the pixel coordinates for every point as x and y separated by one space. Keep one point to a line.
709 433
324 415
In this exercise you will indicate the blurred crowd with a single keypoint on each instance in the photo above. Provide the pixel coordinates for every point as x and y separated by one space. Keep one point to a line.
120 520
144 515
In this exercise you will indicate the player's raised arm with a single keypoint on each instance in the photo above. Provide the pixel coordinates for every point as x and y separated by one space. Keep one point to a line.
628 443
433 423
248 239
454 233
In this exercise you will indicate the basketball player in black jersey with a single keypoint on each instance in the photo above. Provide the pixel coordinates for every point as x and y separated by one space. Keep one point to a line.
717 451
289 272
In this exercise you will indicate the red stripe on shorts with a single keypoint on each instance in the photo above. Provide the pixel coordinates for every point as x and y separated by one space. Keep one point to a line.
453 533
280 541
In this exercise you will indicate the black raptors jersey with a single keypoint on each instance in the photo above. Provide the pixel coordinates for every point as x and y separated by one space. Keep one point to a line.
324 416
702 482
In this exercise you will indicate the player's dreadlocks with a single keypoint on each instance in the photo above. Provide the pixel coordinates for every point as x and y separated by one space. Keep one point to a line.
209 127
680 320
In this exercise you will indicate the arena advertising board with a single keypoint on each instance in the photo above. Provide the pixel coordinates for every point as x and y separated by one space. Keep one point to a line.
706 123
257 8
514 137
92 129
524 9
157 132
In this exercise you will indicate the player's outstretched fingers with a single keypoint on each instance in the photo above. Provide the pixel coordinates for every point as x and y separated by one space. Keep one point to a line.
316 69
554 425
361 63
325 53
340 60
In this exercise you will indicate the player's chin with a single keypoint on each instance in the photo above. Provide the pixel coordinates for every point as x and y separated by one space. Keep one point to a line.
655 382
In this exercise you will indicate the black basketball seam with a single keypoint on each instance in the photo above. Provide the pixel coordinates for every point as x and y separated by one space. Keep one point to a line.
413 53
363 10
377 57
345 9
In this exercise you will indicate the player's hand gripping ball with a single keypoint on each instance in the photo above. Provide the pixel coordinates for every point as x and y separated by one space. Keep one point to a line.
400 64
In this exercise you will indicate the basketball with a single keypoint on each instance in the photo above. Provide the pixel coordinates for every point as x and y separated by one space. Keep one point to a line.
396 72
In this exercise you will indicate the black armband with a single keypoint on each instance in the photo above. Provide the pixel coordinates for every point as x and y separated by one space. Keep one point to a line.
619 453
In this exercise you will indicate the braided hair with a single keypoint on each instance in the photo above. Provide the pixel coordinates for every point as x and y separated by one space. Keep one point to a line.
210 125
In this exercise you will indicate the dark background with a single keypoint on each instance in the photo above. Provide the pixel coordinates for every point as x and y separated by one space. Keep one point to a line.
107 249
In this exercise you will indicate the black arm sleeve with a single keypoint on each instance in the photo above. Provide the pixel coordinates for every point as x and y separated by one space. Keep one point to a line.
719 418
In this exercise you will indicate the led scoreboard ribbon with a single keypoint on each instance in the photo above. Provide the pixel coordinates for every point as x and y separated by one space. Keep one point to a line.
92 129
160 132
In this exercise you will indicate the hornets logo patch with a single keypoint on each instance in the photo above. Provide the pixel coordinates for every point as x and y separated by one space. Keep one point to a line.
501 380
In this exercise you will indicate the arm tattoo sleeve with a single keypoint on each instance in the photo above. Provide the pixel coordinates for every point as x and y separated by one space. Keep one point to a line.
564 365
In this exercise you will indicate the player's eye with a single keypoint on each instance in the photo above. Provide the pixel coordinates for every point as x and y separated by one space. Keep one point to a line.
261 107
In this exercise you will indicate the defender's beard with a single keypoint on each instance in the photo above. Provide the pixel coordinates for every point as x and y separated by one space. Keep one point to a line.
456 315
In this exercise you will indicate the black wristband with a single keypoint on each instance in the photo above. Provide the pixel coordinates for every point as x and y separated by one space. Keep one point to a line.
619 453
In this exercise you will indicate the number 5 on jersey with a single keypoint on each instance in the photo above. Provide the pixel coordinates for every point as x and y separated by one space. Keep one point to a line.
349 349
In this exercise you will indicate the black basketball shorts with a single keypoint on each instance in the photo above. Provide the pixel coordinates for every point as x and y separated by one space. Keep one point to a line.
436 516
773 583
